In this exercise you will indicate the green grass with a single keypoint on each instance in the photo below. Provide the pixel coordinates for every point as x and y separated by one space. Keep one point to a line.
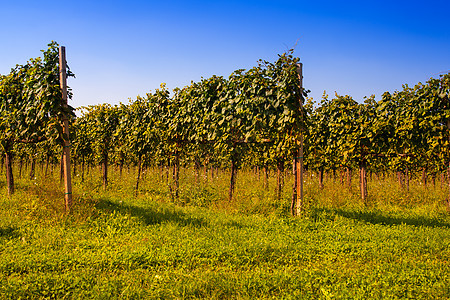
116 246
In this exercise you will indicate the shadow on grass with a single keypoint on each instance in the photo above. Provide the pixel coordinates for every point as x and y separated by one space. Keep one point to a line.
8 232
151 216
380 218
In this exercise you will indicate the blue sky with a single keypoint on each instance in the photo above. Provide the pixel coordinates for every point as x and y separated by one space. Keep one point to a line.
121 49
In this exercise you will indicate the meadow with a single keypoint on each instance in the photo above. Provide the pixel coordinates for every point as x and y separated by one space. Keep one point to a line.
202 246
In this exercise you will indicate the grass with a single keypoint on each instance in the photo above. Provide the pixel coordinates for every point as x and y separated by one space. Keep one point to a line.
116 246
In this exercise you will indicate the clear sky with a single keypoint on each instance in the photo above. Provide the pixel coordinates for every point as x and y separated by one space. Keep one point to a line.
121 49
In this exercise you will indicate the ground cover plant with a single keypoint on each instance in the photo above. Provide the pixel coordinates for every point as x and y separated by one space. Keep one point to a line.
118 246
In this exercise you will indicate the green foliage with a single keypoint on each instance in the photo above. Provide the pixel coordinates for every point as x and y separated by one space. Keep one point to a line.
211 120
30 100
31 108
254 118
100 123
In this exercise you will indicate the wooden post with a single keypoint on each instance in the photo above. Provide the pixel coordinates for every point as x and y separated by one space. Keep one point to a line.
448 174
232 178
280 179
176 175
407 179
138 176
298 160
294 190
9 172
321 177
104 168
65 123
266 176
349 177
363 180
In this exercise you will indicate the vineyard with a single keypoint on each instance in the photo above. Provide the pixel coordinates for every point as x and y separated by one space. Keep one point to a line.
256 119
203 179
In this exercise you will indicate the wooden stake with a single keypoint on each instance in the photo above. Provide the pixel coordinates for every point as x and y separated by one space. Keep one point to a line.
448 175
9 172
294 190
104 169
363 180
232 179
65 123
298 160
138 176
321 178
